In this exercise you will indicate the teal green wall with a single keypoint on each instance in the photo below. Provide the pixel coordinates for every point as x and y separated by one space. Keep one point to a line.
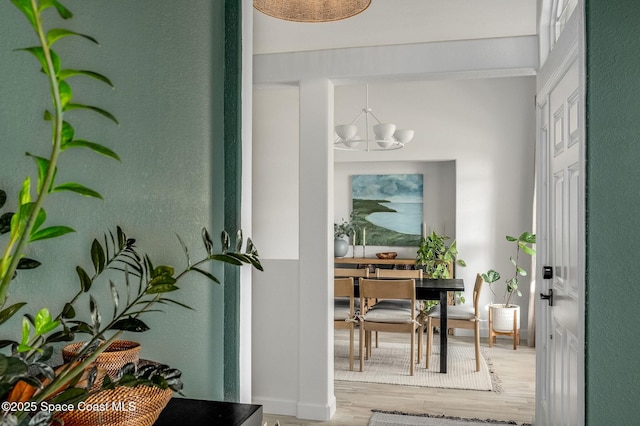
232 180
613 203
166 59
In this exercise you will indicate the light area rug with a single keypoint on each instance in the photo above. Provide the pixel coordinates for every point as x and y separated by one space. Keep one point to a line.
401 419
389 364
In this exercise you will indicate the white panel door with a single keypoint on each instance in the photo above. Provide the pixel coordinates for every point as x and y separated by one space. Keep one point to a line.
559 341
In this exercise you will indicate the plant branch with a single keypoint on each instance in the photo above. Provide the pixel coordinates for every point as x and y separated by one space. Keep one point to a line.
43 189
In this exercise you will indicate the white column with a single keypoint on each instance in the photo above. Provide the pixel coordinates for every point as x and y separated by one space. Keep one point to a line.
316 398
245 203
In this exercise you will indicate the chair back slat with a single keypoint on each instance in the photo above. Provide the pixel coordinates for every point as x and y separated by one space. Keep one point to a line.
351 272
388 289
398 273
476 294
343 287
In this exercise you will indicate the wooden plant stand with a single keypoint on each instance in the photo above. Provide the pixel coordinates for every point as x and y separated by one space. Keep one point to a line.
515 332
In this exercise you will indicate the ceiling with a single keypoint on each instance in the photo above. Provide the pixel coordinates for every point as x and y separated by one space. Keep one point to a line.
387 22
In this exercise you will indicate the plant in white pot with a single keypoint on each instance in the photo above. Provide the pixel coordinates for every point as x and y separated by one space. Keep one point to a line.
344 229
505 316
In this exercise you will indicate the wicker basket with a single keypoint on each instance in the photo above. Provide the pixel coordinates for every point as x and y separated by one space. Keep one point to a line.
119 353
122 406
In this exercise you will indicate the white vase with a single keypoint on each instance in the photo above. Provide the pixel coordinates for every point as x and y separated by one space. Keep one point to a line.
503 317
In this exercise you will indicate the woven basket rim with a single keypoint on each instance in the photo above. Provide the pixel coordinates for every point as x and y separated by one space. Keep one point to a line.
115 346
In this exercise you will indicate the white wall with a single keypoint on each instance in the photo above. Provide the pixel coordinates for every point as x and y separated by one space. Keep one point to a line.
439 195
485 126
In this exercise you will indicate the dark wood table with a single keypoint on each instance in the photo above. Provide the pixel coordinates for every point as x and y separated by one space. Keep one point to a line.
430 289
196 412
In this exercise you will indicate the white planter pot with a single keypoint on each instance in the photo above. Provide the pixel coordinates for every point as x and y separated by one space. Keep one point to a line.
503 317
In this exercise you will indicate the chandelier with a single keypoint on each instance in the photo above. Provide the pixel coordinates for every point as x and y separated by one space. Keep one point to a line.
311 10
385 135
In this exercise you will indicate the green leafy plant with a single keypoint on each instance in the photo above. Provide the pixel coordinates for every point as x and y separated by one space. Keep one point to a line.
144 287
345 229
523 244
26 225
435 256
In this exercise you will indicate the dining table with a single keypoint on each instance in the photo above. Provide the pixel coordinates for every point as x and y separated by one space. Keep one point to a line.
434 289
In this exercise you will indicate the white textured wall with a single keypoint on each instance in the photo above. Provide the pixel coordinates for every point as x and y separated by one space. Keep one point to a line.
487 127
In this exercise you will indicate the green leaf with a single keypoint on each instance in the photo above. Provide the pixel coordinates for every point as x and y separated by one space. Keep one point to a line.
130 324
96 318
58 33
68 132
206 239
184 248
527 237
62 11
103 150
5 222
65 74
25 7
24 197
7 313
529 250
13 367
491 276
225 258
78 189
26 263
100 111
521 271
70 396
68 312
225 240
43 166
239 240
66 94
115 296
38 52
510 238
50 232
161 288
122 238
44 322
85 280
40 219
175 302
207 274
163 270
26 329
97 256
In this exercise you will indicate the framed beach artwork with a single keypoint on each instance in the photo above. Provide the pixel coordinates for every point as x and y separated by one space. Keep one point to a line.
389 208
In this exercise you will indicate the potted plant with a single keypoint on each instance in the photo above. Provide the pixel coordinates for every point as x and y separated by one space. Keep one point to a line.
28 380
503 313
436 257
344 229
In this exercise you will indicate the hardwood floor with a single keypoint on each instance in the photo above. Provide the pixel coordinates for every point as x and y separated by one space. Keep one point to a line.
515 369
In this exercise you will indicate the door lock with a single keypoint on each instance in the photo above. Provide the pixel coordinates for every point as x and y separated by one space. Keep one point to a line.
547 272
548 297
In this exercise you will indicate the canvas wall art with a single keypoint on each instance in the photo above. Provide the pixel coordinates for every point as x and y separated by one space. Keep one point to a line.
389 207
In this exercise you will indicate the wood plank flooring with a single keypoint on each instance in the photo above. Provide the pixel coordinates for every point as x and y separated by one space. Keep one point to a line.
516 371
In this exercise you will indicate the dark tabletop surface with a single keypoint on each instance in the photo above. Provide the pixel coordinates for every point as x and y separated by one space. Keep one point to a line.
196 412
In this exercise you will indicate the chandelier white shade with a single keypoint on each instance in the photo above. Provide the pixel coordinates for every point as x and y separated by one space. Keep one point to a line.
384 137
